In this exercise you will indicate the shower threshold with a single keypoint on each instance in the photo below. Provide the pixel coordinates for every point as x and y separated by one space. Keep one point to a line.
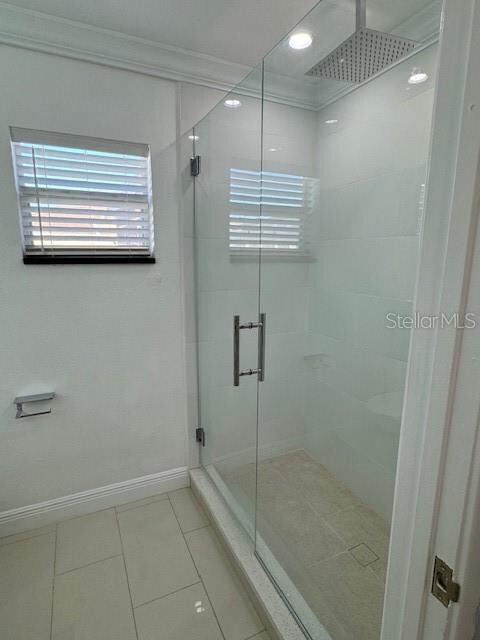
279 618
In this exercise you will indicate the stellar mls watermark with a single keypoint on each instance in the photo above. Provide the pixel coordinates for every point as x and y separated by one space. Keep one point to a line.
418 320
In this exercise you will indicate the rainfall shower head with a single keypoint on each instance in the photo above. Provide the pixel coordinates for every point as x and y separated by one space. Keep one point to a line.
363 54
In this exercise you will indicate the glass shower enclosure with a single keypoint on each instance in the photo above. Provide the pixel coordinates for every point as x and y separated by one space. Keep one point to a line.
307 229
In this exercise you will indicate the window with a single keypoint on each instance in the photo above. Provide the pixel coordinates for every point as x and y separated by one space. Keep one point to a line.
82 199
269 212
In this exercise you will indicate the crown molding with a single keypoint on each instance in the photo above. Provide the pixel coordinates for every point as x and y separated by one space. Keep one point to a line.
50 34
37 31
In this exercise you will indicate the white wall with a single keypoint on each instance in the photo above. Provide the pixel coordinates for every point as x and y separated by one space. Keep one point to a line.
371 168
108 339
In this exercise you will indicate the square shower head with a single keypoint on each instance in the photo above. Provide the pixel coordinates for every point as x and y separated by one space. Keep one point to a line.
362 55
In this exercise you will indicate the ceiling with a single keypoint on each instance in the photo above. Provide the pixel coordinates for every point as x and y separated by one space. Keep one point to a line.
212 42
240 31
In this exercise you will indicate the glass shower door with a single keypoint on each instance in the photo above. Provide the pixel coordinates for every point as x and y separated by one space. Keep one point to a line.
343 178
227 233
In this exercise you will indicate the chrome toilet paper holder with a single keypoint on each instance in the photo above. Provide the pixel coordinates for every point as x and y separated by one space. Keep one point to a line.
35 397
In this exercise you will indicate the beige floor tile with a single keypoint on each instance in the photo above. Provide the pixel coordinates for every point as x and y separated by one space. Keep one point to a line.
352 593
157 558
87 539
235 612
25 535
283 510
140 503
26 581
261 636
93 603
189 513
314 483
184 615
362 525
306 516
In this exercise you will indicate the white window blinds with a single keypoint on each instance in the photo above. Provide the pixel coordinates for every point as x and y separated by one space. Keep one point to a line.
268 211
82 196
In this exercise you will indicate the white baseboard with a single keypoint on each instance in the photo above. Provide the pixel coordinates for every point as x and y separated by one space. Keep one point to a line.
77 504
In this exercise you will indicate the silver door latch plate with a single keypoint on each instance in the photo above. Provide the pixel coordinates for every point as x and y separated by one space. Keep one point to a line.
444 588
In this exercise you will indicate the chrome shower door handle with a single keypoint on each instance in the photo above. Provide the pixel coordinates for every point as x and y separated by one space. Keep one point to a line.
236 351
261 346
237 327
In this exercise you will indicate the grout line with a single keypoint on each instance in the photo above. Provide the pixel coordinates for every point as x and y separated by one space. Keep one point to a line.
89 564
327 525
204 526
196 569
380 580
161 496
126 576
53 579
4 540
143 604
313 565
84 515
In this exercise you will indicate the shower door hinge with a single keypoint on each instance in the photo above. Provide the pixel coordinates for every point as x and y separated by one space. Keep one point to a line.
195 166
200 436
443 586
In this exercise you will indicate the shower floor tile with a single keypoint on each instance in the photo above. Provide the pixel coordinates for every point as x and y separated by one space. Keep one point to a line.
169 561
333 547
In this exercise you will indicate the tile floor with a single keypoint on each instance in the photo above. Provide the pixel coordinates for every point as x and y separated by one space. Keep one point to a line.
333 547
147 570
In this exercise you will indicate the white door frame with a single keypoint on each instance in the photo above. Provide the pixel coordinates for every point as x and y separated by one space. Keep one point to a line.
437 361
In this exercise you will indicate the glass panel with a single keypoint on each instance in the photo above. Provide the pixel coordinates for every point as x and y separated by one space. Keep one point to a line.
354 157
227 192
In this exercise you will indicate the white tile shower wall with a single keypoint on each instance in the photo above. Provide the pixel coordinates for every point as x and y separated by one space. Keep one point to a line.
371 167
289 146
106 338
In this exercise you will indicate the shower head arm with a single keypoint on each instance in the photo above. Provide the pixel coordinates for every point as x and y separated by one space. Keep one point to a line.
360 14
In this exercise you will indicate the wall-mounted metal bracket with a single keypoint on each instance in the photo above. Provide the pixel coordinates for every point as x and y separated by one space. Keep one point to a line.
36 397
200 436
195 166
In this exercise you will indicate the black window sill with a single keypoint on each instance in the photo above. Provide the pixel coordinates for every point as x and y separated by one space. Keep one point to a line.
65 259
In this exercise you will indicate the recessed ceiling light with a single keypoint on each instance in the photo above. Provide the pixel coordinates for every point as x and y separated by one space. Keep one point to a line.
417 77
300 40
232 103
194 138
331 121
